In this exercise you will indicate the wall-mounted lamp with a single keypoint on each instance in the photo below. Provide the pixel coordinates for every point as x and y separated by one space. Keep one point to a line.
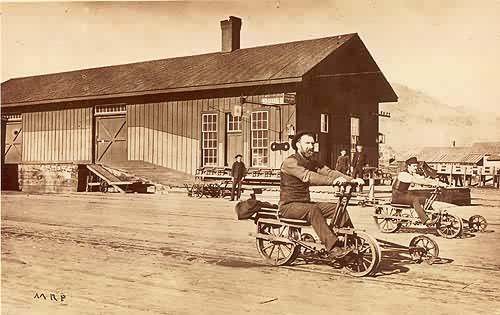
381 138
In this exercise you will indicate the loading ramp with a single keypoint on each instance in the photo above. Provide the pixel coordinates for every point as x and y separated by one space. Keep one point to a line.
103 178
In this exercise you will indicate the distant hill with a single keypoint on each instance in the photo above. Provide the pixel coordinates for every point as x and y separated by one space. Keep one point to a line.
419 120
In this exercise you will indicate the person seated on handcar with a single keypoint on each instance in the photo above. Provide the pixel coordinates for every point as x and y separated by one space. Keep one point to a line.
298 172
401 194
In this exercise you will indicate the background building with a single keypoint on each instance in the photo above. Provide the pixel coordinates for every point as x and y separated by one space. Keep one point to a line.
178 112
460 165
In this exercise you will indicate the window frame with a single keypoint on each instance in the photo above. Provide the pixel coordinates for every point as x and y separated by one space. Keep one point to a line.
324 122
206 142
255 130
232 120
354 138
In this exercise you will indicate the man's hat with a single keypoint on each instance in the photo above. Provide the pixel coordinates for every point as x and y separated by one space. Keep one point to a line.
297 137
412 160
238 155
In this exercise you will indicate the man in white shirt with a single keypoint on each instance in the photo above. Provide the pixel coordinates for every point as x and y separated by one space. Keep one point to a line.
401 194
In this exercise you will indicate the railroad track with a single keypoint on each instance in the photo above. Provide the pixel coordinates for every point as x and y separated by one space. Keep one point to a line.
230 258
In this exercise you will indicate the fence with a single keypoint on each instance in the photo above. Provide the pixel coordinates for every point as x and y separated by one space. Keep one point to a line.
469 175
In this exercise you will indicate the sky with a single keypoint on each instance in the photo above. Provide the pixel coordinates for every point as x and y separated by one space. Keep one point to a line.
447 49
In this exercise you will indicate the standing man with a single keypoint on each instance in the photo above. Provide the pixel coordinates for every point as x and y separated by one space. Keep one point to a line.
342 162
298 172
238 171
359 161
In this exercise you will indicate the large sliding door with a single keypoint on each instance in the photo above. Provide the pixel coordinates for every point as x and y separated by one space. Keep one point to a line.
111 135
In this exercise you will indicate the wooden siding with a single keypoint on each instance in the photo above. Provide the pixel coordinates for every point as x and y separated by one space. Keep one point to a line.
342 97
58 136
168 133
369 132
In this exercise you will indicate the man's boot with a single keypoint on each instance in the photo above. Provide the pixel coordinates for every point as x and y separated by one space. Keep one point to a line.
339 252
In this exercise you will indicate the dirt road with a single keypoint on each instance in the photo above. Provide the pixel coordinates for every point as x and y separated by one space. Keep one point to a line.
171 254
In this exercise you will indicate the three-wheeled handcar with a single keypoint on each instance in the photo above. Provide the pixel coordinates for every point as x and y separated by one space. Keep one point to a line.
280 240
391 217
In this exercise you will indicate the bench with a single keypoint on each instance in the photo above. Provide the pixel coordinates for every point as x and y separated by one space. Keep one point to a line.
209 189
254 174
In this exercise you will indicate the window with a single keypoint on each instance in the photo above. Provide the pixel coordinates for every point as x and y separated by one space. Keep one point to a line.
324 123
12 117
354 133
209 138
233 123
110 109
260 138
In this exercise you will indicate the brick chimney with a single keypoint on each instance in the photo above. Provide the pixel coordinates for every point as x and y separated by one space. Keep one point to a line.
230 34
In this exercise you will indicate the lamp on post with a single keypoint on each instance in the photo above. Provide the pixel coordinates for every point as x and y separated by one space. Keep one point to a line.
237 110
381 138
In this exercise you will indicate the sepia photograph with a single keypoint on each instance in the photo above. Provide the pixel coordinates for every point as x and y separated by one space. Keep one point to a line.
250 157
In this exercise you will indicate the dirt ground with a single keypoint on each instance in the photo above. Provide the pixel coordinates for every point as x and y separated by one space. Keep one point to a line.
172 254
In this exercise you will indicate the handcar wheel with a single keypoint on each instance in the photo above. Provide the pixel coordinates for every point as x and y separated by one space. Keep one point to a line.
423 248
407 222
103 187
477 223
387 225
277 253
199 190
366 255
449 226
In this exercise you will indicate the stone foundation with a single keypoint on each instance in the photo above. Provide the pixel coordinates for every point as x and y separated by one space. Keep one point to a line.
48 177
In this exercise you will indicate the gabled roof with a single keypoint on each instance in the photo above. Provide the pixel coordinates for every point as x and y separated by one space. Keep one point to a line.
281 63
487 147
466 155
495 157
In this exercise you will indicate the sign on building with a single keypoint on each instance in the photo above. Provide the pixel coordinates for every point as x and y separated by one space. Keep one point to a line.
279 99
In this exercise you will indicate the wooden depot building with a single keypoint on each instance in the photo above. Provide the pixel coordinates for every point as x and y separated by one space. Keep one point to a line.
178 112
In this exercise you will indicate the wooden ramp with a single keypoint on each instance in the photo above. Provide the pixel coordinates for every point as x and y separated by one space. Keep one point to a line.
105 179
152 173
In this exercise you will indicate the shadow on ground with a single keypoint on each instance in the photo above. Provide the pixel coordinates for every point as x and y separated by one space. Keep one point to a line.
396 258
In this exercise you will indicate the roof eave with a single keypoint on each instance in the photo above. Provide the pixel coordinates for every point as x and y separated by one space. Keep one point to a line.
391 98
161 91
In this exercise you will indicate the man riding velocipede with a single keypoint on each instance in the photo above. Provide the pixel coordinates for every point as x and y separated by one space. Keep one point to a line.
298 172
406 203
280 236
402 195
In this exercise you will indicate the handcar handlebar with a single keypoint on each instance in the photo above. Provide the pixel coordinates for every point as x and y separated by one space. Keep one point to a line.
346 184
439 188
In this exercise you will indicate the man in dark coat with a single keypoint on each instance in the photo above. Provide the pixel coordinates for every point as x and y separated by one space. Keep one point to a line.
238 171
342 162
298 172
359 161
